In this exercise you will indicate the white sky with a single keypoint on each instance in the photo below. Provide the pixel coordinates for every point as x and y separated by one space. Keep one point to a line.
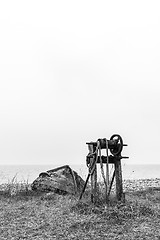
75 71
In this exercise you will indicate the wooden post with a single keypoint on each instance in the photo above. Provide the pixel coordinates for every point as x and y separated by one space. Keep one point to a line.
94 185
107 173
107 166
118 176
93 175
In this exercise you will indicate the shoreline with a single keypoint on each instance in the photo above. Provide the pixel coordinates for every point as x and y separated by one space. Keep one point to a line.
129 185
140 184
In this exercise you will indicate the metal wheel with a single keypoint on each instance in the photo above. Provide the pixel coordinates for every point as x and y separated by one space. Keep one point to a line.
117 144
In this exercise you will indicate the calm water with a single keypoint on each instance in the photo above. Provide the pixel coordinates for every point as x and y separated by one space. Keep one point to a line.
23 173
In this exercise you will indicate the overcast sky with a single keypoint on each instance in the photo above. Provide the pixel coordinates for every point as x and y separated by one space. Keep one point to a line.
75 71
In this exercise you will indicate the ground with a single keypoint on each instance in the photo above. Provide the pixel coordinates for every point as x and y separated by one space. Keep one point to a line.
30 215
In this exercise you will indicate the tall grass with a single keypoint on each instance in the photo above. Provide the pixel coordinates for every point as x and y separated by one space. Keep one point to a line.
15 187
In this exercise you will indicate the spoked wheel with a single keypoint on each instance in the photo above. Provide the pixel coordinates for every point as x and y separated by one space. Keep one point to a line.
117 147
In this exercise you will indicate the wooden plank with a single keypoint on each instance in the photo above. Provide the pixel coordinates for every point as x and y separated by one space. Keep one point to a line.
118 177
112 159
111 144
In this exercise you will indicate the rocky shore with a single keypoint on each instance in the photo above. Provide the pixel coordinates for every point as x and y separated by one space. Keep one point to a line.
140 184
129 185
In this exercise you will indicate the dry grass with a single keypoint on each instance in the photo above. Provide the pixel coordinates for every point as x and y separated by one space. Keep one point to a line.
29 215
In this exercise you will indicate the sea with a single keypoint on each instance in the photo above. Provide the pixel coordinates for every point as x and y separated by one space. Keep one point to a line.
28 173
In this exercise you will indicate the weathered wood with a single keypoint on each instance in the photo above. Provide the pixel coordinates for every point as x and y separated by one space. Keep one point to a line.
115 145
85 185
118 176
62 179
111 144
111 183
111 159
107 169
94 185
91 149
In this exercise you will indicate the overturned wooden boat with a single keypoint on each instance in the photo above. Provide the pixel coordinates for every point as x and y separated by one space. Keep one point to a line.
59 180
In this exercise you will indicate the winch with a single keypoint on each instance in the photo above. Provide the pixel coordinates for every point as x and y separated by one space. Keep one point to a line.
115 146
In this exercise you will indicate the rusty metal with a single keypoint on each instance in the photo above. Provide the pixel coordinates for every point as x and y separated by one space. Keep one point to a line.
117 146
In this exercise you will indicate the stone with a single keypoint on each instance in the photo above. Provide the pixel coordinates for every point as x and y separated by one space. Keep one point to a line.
60 180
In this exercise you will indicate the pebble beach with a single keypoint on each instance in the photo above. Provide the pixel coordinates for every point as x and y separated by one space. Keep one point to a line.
140 184
128 185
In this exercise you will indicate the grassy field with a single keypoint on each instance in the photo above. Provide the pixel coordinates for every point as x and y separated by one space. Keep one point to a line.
28 215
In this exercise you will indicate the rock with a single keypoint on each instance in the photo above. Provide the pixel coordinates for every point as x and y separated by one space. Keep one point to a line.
59 180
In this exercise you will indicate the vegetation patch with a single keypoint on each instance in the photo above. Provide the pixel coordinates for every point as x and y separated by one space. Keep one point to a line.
30 215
